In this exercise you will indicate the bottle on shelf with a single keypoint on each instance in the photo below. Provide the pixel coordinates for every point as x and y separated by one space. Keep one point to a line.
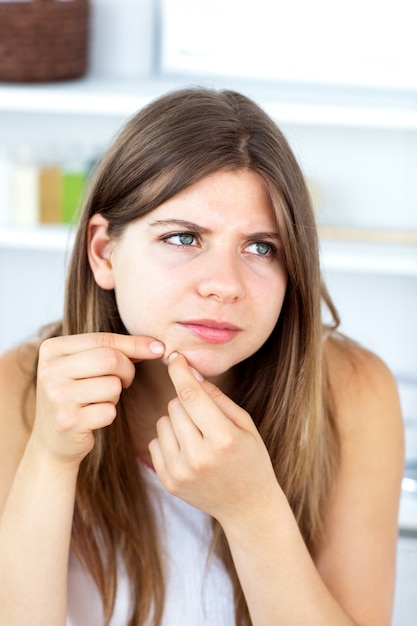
25 188
50 192
73 179
42 187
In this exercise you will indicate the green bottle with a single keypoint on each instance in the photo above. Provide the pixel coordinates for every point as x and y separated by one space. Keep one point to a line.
74 177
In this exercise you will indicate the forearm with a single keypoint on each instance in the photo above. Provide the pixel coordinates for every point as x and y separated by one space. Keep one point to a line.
35 533
278 576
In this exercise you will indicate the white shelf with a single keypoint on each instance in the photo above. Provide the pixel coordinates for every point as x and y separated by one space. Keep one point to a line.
47 238
343 256
82 97
287 103
369 257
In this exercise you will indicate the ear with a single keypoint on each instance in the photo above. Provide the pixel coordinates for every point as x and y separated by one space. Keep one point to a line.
99 251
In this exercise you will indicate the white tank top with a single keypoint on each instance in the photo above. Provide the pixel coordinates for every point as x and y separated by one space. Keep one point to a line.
198 590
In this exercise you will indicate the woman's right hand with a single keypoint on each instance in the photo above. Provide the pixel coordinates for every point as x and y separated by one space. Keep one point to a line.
80 379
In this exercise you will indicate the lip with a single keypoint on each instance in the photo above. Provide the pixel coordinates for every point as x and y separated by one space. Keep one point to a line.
212 331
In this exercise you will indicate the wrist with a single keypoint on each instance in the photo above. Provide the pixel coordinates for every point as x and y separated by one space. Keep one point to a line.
258 516
43 461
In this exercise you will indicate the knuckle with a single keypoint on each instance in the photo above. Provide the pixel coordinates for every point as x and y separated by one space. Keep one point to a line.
188 393
114 387
213 391
177 480
138 344
110 358
51 387
106 340
130 375
98 415
52 366
171 485
44 372
162 423
226 443
108 412
173 404
47 348
65 421
200 464
56 396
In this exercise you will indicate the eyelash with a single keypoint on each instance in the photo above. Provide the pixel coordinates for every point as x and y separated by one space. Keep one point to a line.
167 239
273 251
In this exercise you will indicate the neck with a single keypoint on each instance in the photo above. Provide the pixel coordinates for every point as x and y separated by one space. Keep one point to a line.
146 401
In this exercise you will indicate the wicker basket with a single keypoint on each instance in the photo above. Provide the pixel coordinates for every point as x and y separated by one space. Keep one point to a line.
43 40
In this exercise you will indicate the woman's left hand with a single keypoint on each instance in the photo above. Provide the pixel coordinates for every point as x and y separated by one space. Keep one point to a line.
208 450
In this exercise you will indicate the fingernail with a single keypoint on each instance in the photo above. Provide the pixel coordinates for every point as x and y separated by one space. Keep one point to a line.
157 347
197 374
172 356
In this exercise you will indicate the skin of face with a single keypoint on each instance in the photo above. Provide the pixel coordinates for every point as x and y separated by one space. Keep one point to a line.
203 272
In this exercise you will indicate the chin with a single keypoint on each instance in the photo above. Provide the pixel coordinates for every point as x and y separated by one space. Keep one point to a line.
210 364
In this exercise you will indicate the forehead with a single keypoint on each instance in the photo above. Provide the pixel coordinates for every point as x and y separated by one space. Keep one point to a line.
240 196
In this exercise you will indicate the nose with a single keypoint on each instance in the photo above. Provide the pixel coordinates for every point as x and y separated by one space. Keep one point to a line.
222 278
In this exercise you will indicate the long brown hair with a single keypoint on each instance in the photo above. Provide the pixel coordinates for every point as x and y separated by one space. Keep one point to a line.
166 147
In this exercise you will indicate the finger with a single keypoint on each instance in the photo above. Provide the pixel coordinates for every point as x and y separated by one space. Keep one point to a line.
168 441
164 449
134 347
98 415
157 458
203 411
97 390
94 363
81 422
234 412
185 429
226 405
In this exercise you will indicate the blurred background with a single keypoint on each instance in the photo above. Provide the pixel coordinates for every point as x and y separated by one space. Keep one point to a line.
341 81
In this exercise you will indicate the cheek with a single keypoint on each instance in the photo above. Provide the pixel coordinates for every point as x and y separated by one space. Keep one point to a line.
133 300
270 298
144 301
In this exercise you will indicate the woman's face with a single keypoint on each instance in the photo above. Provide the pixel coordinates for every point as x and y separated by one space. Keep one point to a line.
203 272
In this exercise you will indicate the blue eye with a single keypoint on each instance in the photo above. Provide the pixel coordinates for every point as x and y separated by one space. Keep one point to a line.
261 248
181 239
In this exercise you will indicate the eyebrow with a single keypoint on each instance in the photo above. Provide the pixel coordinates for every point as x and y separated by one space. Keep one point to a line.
191 226
183 224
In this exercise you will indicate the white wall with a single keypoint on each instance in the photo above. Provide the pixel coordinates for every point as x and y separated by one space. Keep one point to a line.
32 289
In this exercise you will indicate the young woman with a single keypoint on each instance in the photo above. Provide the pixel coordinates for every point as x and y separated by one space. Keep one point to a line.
192 446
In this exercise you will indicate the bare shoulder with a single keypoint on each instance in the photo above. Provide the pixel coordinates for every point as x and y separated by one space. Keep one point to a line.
17 368
357 555
16 409
367 410
363 387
